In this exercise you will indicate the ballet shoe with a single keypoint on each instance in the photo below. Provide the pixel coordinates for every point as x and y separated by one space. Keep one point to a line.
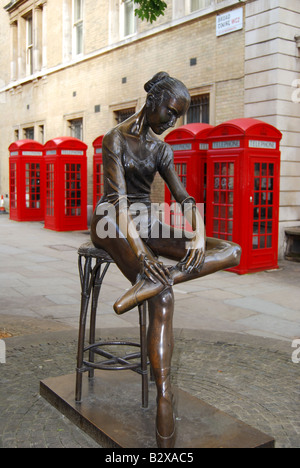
165 442
143 290
165 419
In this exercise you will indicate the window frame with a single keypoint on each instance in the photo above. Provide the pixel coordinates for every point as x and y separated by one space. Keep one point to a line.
199 96
77 25
123 33
73 127
29 42
189 9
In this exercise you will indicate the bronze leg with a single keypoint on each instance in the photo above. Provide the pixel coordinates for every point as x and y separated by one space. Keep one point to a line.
220 255
160 350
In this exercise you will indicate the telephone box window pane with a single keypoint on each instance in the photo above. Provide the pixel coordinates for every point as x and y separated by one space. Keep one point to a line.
223 200
223 212
262 228
223 197
176 218
32 185
50 189
73 195
270 184
99 181
270 213
255 242
13 187
263 198
262 242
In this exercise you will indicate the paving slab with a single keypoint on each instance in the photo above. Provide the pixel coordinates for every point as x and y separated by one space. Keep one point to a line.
233 346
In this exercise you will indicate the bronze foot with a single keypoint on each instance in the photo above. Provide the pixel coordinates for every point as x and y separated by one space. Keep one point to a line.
142 290
165 417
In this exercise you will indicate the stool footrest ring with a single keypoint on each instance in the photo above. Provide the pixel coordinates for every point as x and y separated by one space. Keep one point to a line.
113 362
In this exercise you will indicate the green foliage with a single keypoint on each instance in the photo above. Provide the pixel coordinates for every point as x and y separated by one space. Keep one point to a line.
150 9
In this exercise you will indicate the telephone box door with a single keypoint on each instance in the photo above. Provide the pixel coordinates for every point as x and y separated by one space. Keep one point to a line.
263 216
222 198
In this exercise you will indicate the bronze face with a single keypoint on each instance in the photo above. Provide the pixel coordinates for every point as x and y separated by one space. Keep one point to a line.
161 116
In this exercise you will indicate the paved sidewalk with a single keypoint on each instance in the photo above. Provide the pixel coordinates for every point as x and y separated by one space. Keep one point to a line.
233 338
39 279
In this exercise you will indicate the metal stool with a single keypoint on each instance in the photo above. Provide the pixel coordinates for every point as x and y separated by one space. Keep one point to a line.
91 279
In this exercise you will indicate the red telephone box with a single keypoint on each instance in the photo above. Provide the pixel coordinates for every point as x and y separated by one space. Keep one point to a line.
243 172
26 168
98 179
66 184
190 150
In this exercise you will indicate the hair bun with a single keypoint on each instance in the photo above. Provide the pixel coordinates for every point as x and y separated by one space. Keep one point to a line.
160 76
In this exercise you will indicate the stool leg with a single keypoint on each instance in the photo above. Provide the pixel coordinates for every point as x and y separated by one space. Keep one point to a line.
97 284
95 295
85 296
143 341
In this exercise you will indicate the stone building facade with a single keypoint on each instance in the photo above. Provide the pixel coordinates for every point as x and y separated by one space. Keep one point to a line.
77 67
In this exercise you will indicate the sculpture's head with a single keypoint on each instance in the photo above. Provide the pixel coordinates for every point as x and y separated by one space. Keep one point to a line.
167 99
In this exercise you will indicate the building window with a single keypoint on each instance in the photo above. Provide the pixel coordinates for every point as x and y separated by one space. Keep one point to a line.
41 136
29 133
77 27
75 126
124 114
198 5
199 109
128 19
29 45
14 50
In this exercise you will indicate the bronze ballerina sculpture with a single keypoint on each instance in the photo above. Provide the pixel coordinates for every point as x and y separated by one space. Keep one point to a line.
132 155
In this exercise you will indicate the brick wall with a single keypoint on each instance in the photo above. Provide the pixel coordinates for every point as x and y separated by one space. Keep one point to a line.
69 89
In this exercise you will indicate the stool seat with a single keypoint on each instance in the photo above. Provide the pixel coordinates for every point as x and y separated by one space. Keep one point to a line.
90 261
88 249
